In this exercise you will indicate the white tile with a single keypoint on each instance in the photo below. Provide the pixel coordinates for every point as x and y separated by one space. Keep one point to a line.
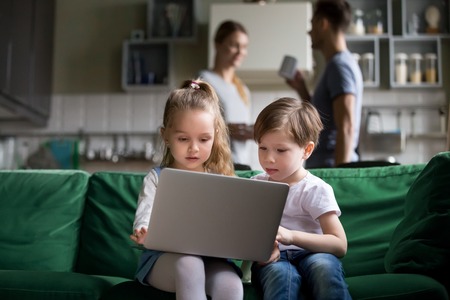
73 113
55 120
119 113
96 112
141 112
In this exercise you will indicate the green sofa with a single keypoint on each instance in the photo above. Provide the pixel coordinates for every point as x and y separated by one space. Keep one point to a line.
64 234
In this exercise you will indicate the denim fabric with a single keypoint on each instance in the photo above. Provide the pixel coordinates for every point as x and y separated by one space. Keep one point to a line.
321 273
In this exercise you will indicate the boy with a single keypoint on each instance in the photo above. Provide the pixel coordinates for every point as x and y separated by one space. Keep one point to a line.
310 237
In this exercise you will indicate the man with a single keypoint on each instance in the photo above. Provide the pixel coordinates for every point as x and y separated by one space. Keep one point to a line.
338 94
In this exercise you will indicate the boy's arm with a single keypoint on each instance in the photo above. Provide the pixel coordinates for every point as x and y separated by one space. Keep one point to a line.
333 240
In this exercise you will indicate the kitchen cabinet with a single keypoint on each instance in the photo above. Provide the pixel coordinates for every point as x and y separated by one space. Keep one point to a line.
363 48
147 62
26 43
171 21
402 26
145 65
371 22
274 30
415 76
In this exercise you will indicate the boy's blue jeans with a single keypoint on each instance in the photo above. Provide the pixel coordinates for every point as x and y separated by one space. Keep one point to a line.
321 273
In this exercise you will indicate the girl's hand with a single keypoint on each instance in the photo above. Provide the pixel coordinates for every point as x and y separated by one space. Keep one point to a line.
284 236
274 257
139 236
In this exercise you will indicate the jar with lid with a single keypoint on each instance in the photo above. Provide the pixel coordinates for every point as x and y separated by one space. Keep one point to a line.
367 67
430 67
357 26
415 68
356 57
374 21
401 68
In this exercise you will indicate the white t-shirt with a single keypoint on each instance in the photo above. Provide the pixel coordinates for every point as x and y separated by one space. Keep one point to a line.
236 111
307 200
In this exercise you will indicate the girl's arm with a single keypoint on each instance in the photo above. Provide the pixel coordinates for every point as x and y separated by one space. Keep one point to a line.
333 240
144 207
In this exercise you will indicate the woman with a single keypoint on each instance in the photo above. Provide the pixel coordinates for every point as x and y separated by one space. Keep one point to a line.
231 43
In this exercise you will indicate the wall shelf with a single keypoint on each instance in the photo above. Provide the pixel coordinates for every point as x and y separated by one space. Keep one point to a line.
398 37
145 65
171 21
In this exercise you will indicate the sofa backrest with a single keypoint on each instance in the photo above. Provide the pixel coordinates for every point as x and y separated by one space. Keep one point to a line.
371 200
40 213
105 247
372 205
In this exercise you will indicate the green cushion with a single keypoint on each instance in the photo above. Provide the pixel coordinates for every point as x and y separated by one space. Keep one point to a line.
136 291
395 287
421 242
105 247
371 201
40 213
41 285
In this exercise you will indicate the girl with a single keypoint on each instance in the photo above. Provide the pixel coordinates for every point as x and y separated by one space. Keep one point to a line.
196 139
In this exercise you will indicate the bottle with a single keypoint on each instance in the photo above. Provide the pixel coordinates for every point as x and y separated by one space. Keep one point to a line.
414 24
415 68
401 68
430 67
367 67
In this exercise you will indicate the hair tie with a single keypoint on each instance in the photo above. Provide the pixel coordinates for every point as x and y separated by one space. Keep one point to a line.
195 85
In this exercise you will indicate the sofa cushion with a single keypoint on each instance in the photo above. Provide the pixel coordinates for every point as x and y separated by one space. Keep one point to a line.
371 201
136 291
105 247
395 287
421 242
41 213
45 285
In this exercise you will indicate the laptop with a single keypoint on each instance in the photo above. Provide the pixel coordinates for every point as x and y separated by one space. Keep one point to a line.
215 215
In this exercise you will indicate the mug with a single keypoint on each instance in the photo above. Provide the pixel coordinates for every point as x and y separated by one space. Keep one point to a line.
288 67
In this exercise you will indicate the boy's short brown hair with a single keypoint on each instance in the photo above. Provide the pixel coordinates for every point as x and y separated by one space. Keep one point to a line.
299 118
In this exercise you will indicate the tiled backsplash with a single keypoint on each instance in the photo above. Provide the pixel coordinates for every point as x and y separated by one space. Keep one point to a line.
138 117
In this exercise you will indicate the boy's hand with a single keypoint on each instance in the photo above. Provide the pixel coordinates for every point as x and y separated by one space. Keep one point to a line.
275 256
139 236
284 236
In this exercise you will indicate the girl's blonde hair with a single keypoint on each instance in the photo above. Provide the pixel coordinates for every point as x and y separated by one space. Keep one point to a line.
199 95
299 119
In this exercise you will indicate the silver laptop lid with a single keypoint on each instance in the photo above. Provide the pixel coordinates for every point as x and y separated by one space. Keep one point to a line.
215 215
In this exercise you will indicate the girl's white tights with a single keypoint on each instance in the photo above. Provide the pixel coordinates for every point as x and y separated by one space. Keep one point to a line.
194 277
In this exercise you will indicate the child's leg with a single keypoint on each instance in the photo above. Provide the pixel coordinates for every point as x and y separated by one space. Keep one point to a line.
324 276
180 274
279 280
222 281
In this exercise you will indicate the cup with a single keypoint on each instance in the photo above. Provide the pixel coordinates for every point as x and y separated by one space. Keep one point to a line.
288 67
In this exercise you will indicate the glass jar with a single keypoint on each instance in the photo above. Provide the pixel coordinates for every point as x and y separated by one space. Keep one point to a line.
357 26
415 68
374 21
430 67
356 57
401 68
367 67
